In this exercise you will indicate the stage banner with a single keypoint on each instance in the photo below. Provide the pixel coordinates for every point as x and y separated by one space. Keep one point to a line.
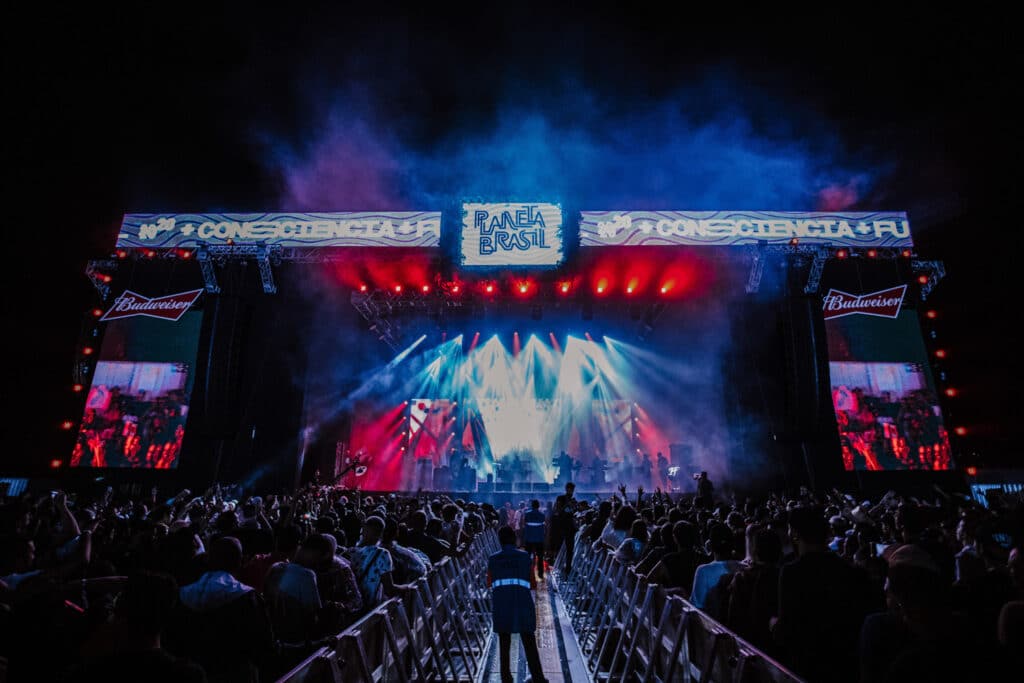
728 228
339 229
511 235
170 307
883 304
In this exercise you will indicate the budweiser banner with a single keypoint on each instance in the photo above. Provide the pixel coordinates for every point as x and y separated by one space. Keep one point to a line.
883 304
170 307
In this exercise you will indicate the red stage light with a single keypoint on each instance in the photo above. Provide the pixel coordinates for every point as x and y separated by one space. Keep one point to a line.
524 287
489 289
872 253
150 253
88 351
67 425
565 287
362 288
906 253
664 289
842 253
425 288
122 253
76 388
55 464
600 289
398 289
185 253
106 279
961 431
951 392
932 315
940 353
793 242
972 471
922 279
602 285
455 289
97 312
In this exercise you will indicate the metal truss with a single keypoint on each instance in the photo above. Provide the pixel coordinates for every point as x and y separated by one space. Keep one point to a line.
814 276
266 273
209 276
97 271
375 308
934 270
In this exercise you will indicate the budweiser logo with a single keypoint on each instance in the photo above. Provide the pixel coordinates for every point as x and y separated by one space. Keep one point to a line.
170 307
884 304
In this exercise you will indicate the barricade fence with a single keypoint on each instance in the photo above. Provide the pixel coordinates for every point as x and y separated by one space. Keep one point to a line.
630 630
438 632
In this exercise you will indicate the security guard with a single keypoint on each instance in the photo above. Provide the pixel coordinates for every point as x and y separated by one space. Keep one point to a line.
533 534
510 576
563 526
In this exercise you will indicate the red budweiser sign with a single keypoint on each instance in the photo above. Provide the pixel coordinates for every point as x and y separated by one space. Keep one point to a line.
884 304
170 307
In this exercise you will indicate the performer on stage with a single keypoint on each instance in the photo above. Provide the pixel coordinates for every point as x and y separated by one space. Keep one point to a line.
597 470
663 470
643 470
565 465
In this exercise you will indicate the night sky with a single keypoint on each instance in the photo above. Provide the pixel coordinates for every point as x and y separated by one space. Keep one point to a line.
144 111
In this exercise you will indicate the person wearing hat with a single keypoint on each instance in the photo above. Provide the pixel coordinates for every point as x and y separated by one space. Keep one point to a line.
510 577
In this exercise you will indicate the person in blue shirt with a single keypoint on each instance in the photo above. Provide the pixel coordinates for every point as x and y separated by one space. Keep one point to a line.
510 576
533 535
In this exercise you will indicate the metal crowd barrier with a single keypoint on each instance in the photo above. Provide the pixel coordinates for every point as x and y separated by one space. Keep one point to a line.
439 632
631 630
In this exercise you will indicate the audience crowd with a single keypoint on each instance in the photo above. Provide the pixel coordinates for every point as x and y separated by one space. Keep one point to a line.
216 587
226 587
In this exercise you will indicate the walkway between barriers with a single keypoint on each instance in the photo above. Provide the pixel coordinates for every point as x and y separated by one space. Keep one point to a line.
560 655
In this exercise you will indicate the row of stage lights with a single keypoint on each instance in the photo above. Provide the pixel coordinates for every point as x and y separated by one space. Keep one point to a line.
521 287
949 391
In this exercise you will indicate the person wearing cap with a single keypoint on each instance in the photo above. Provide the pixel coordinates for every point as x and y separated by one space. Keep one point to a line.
510 577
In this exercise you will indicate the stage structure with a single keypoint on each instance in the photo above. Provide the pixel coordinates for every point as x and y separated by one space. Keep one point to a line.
512 347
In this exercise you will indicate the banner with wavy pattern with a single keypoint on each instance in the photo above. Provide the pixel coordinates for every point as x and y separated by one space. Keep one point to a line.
726 228
337 229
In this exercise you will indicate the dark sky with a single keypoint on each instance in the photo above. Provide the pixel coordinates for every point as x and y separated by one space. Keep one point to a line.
127 110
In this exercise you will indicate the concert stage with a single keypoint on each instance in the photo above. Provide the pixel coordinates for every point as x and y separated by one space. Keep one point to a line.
388 351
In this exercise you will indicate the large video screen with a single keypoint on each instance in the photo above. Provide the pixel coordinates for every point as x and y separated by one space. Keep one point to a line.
137 405
886 406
